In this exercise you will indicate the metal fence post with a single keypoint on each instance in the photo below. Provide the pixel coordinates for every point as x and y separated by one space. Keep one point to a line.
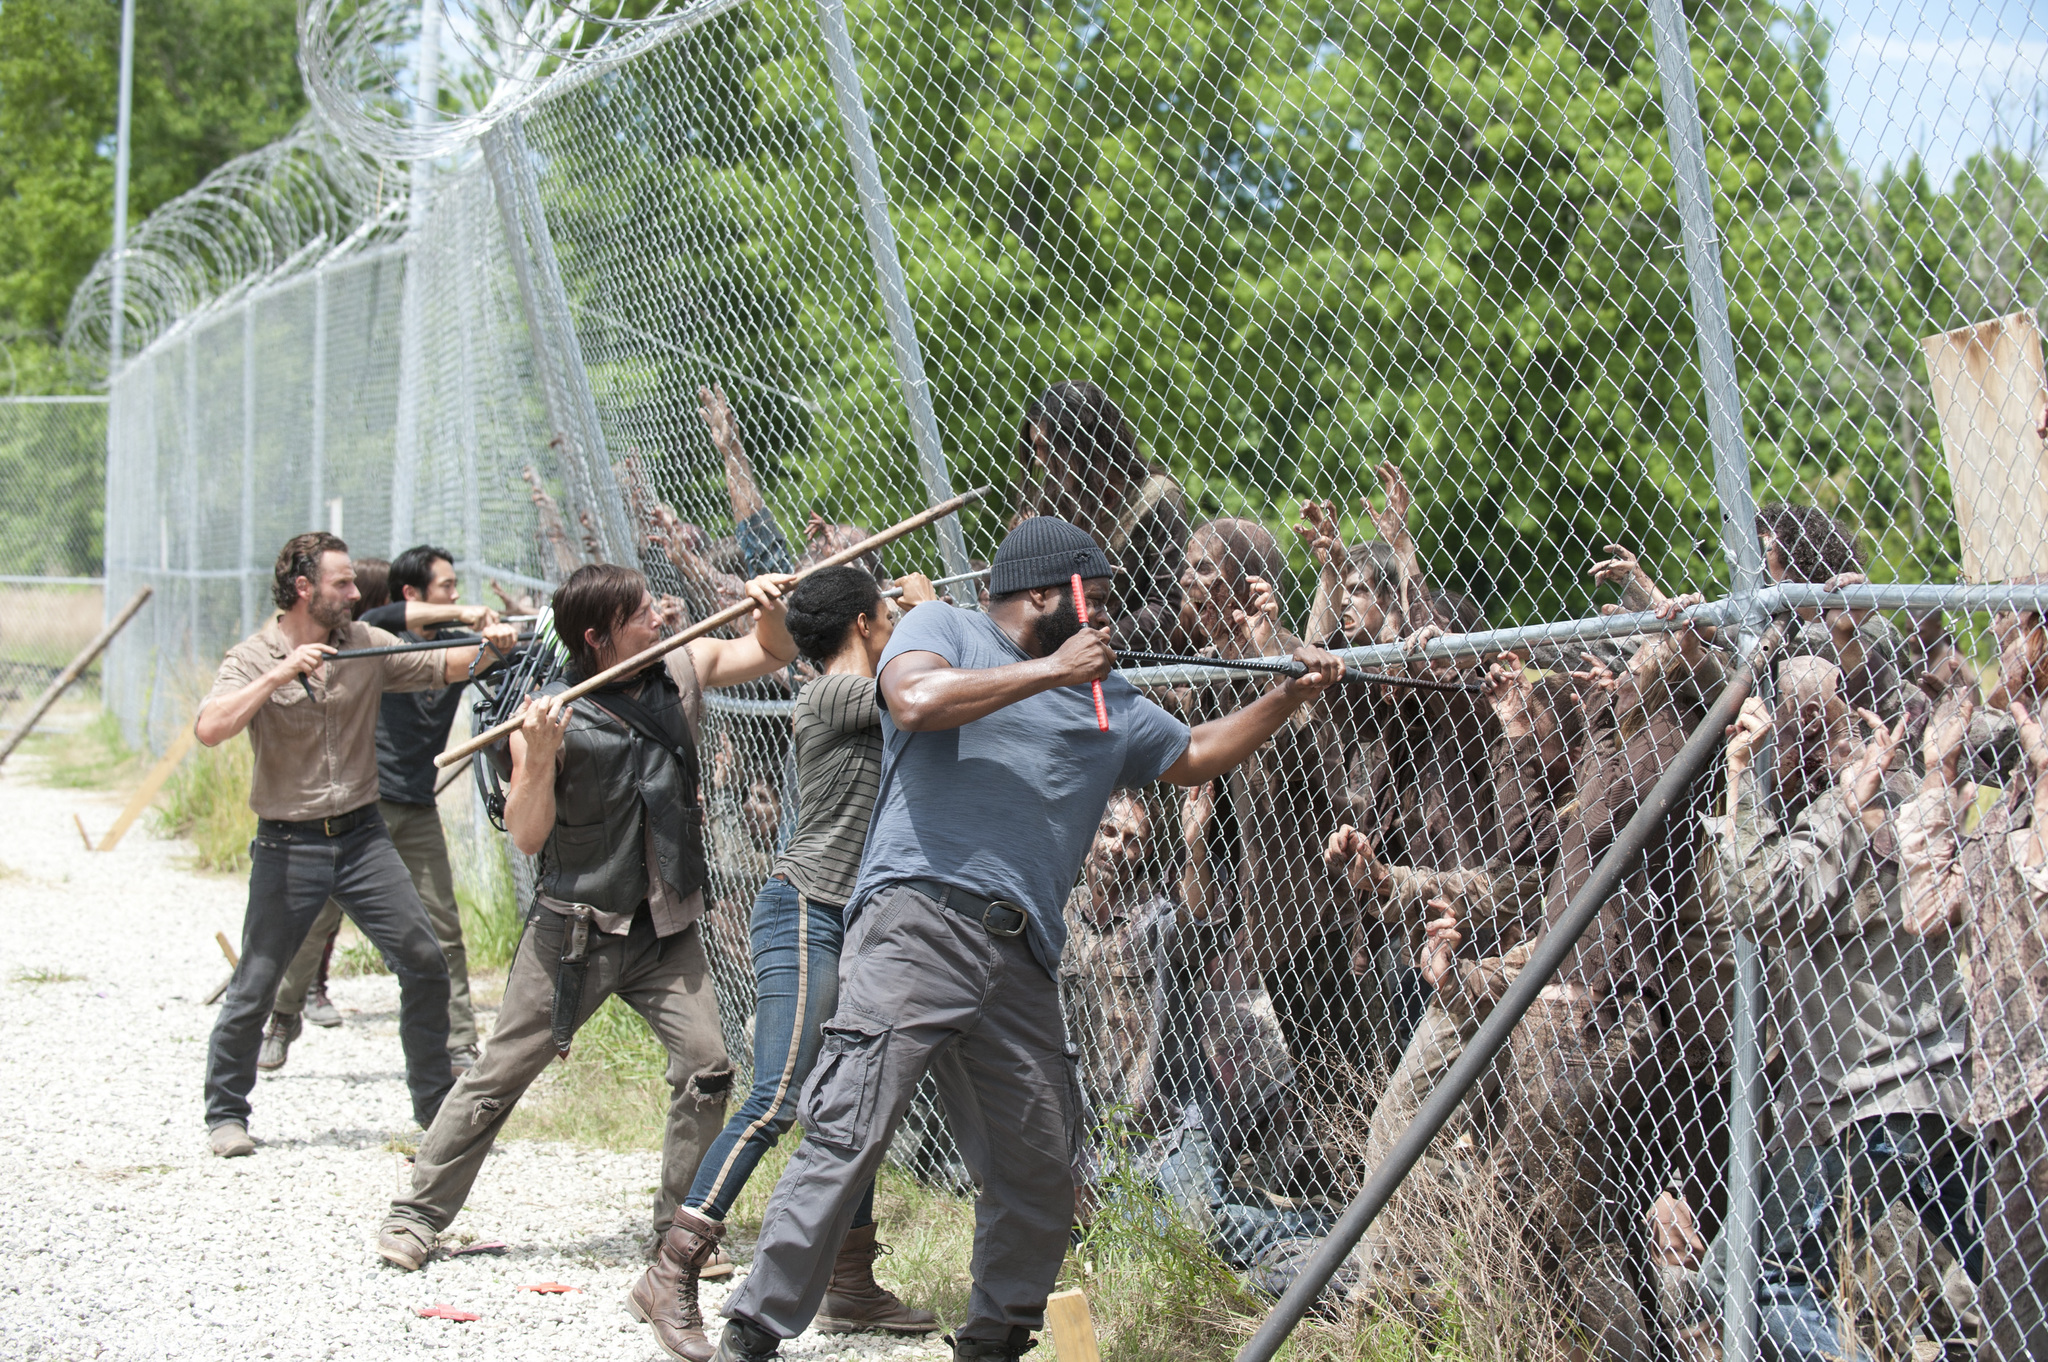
1693 191
316 471
565 385
874 212
245 558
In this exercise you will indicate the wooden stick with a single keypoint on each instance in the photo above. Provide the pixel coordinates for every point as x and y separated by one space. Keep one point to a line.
1073 1333
717 621
151 783
75 670
453 774
83 835
227 948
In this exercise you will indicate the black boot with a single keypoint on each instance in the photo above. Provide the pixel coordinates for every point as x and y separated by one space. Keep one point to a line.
1010 1349
746 1341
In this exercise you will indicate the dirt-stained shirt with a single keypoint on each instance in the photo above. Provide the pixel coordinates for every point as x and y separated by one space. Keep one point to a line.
317 757
1981 878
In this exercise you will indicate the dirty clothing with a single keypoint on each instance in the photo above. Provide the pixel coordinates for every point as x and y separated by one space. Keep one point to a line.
1147 540
1110 972
317 758
294 869
927 988
667 980
1880 1027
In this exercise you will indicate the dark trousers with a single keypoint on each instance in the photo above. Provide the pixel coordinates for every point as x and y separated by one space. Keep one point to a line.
291 875
925 989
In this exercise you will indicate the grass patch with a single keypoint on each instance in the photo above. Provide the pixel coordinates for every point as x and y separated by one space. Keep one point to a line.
43 974
485 894
207 801
90 757
609 1094
8 872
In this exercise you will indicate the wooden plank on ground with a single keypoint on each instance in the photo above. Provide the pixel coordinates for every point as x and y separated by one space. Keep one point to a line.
1073 1333
151 783
1988 386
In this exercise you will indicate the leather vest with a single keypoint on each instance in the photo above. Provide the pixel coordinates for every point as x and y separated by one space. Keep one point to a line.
616 793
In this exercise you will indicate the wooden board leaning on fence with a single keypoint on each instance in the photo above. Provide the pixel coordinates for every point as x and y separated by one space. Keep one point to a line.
1988 387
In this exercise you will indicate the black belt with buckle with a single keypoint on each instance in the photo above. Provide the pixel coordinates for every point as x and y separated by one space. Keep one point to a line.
336 826
999 916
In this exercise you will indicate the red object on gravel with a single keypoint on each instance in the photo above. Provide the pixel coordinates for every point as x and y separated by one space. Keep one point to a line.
449 1312
552 1288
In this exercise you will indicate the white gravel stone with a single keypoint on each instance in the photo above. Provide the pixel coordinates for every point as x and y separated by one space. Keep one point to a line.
121 1236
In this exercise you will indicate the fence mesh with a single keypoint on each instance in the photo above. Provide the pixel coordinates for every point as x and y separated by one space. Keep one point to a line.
1422 318
52 480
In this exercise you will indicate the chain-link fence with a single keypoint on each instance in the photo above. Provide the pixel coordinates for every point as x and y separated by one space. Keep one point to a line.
52 480
1545 310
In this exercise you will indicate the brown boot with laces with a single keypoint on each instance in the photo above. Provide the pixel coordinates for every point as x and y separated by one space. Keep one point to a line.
666 1294
856 1302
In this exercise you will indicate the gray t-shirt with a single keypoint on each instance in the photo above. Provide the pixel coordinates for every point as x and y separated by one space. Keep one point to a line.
838 732
1006 806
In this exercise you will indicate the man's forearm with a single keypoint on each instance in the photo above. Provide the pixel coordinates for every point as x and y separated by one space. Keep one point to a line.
223 716
1222 744
949 697
529 812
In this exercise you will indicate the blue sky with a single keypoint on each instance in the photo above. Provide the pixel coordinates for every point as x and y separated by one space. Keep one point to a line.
1935 77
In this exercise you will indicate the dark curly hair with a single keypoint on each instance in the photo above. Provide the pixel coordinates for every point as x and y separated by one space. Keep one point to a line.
300 557
825 605
1815 544
1079 419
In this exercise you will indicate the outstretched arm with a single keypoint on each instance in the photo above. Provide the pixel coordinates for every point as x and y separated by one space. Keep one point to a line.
1418 611
1220 744
768 647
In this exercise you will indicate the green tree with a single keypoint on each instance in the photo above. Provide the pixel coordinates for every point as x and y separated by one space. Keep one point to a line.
213 79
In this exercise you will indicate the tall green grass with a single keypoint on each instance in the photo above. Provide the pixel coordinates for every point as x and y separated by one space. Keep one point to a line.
90 757
207 801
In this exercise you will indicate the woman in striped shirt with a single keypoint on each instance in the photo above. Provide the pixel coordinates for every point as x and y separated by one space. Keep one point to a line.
840 623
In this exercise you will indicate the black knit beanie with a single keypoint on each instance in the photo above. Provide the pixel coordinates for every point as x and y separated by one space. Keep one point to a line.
1045 551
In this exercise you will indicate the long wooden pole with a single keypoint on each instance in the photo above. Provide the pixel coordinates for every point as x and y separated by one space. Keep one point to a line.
717 621
74 671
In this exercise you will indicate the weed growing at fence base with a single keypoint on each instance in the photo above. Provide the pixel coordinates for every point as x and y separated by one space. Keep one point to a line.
207 801
44 974
91 757
490 909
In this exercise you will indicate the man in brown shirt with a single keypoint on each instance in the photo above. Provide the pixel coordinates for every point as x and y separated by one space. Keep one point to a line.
313 728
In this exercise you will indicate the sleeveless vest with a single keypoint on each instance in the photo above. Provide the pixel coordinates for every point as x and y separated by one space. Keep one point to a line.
616 793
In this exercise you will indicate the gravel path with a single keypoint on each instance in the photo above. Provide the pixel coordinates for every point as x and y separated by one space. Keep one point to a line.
120 1236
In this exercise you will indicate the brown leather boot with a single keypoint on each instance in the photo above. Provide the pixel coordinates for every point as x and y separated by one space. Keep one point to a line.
666 1294
856 1301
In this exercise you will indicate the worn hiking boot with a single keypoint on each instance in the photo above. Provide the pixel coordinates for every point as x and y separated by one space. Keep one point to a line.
230 1140
855 1301
284 1028
404 1245
746 1341
666 1294
1010 1349
461 1059
320 1009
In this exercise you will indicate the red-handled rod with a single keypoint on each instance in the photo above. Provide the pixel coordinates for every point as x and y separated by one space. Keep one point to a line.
1081 609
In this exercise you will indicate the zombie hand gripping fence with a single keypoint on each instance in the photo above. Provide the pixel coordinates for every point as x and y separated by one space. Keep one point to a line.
1646 344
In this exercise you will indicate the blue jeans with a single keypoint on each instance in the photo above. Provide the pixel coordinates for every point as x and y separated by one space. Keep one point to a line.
796 981
762 545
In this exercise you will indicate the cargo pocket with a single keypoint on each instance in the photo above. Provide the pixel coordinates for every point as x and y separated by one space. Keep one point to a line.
838 1101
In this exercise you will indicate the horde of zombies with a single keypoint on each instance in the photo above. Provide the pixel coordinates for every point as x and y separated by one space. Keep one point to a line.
1296 903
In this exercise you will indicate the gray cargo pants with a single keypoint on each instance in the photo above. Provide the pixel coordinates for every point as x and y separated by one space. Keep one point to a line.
667 980
924 988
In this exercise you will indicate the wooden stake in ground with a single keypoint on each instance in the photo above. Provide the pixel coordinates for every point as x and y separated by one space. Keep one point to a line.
1073 1333
74 671
234 963
717 621
151 783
